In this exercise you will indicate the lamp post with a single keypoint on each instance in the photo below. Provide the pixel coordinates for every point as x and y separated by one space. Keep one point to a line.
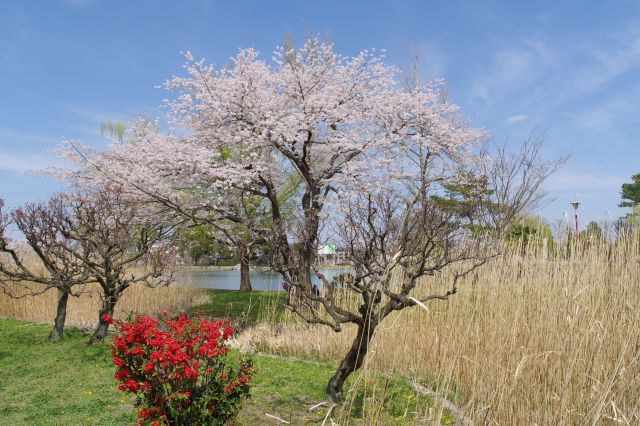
575 206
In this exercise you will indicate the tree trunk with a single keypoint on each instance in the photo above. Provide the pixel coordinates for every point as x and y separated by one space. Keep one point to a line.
101 330
304 266
245 280
57 332
353 360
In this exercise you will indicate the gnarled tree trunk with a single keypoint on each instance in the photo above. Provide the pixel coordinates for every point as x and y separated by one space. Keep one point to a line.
245 280
108 305
61 314
353 360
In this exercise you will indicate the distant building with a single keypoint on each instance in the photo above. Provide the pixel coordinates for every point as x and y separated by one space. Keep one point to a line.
328 254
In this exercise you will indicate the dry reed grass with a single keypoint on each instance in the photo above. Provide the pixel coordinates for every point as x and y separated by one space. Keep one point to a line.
82 311
541 338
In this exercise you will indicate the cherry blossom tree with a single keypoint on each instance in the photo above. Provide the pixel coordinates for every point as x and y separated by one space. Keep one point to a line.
343 126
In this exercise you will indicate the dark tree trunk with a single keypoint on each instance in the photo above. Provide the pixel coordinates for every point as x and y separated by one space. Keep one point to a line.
101 330
57 332
353 360
302 279
245 280
304 266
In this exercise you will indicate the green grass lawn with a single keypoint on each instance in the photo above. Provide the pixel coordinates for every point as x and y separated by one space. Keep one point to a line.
64 383
69 383
248 307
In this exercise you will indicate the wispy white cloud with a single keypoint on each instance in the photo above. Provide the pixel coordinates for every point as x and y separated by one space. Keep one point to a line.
615 112
12 137
546 78
86 113
508 69
24 162
512 69
585 182
92 115
22 151
516 118
608 60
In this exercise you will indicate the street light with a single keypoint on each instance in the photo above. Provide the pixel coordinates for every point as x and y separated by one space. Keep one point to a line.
575 206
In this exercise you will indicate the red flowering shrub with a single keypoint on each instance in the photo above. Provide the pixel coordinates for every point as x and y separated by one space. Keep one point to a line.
178 370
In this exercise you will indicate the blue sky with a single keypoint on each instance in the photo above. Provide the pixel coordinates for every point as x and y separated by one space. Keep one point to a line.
571 67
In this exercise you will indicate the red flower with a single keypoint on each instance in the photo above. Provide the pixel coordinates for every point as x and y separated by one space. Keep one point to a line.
131 385
161 365
106 318
190 372
121 374
144 413
227 332
136 351
119 343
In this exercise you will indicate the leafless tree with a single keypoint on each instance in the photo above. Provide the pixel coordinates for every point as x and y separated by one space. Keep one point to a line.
122 245
57 264
393 238
98 236
517 180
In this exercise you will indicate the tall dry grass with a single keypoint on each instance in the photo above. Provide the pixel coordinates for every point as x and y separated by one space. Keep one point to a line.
546 338
82 311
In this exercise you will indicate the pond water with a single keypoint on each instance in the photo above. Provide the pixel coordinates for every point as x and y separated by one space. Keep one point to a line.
230 279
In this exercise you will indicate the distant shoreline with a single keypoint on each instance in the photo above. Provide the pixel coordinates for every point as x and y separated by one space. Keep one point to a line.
201 268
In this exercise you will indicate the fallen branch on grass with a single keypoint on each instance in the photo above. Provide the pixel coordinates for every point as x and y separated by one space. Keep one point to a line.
328 414
317 405
283 421
460 417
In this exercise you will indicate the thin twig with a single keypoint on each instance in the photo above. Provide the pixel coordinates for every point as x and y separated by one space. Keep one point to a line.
317 405
277 418
328 414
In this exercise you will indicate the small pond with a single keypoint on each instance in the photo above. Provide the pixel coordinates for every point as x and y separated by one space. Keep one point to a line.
230 279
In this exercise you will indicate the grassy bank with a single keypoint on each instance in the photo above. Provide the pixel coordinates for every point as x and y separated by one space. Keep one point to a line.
69 383
247 307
